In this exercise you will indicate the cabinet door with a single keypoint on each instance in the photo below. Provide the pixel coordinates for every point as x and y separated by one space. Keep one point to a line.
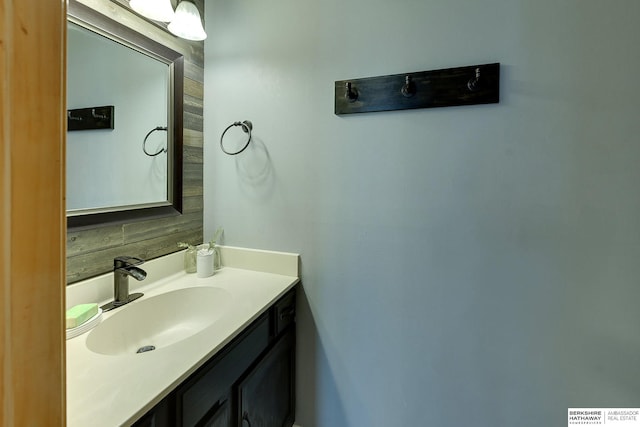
209 387
220 418
266 395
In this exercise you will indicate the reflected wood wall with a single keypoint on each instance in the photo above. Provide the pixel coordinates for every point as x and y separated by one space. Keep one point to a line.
90 252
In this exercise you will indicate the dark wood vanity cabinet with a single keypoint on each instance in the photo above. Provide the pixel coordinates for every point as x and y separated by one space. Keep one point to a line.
157 417
249 383
265 397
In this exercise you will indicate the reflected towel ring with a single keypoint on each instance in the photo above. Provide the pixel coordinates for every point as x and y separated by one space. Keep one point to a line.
144 143
246 127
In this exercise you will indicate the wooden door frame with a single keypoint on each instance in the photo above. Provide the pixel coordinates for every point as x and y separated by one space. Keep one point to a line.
32 212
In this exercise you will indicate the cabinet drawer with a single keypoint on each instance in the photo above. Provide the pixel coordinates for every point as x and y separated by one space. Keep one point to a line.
285 312
219 417
209 386
156 417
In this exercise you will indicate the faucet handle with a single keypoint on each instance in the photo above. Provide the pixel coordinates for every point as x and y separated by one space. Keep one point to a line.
126 261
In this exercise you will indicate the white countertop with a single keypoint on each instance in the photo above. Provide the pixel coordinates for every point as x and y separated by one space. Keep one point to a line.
105 390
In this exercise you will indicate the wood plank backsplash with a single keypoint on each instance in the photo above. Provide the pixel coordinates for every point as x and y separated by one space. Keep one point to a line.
90 252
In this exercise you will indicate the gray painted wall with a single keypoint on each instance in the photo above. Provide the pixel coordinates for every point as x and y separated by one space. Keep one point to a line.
461 266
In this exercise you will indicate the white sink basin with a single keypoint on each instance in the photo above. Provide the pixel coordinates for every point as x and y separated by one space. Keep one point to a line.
159 321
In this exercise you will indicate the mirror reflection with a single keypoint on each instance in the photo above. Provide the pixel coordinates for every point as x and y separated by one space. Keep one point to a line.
108 168
125 124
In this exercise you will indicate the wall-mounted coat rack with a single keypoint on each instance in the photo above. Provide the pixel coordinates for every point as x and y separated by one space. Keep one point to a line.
91 118
475 84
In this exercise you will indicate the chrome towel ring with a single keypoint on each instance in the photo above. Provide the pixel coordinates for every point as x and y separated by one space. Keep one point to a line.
246 128
144 143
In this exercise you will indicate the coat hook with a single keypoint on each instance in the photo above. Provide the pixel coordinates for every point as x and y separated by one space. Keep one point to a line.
97 116
474 84
351 93
409 88
72 117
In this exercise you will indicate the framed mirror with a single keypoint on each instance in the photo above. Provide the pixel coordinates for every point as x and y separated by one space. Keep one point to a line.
125 123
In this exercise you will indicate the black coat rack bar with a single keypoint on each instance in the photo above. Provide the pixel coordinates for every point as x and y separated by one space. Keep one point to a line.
474 84
90 118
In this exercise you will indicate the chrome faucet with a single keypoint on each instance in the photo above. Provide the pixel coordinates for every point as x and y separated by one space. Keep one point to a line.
123 267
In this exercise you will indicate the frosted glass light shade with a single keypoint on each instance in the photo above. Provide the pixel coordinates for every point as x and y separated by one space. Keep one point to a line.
187 23
158 10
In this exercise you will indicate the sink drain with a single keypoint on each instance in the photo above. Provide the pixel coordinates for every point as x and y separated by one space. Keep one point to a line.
146 348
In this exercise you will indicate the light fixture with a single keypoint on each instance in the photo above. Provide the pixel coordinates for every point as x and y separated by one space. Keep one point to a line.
187 23
158 10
